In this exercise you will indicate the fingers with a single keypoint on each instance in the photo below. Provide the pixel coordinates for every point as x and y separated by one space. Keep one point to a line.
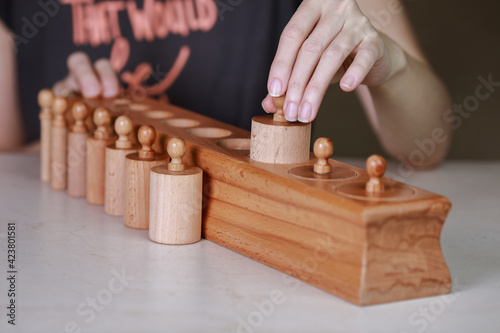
294 34
109 80
268 104
81 69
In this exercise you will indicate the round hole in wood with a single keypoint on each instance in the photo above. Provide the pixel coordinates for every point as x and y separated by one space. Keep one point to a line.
236 143
139 107
181 122
209 132
158 114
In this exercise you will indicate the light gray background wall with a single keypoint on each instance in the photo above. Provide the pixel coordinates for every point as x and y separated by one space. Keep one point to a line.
461 39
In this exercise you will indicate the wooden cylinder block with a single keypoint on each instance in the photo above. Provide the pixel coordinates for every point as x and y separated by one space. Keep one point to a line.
279 142
96 158
45 129
58 149
114 188
137 177
77 164
175 208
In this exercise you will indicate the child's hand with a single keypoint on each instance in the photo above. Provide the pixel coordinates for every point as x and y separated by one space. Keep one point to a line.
327 41
92 81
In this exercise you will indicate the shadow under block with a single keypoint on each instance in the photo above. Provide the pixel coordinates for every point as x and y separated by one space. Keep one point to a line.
367 250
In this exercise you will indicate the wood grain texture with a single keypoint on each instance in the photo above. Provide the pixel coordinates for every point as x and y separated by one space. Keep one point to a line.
114 191
77 164
45 141
96 158
137 180
279 142
363 248
175 205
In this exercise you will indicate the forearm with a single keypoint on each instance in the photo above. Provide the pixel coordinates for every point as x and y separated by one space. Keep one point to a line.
11 129
407 114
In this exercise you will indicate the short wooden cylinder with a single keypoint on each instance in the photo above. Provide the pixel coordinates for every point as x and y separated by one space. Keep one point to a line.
45 129
77 164
96 160
114 185
137 189
175 208
58 148
279 142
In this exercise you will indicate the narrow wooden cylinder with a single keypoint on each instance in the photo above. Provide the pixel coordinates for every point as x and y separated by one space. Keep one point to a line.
279 142
175 207
77 164
45 130
96 158
114 185
58 172
137 189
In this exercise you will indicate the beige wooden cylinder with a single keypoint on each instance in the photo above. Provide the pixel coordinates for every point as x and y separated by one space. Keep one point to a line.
45 130
114 185
77 164
175 206
58 170
137 189
279 142
96 158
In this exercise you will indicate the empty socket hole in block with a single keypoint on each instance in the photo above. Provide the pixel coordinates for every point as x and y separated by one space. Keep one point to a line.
236 143
158 114
181 122
209 132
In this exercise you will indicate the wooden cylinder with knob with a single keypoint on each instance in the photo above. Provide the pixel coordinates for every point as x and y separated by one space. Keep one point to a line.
45 99
114 191
176 199
96 156
277 141
77 152
323 149
375 166
137 174
59 145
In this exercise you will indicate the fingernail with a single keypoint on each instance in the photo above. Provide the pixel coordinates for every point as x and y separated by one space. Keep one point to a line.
91 90
348 82
305 112
109 92
263 108
275 88
291 112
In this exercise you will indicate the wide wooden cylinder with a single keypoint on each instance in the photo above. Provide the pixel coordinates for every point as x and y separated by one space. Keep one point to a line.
175 206
279 142
77 164
45 130
114 185
58 148
137 189
96 158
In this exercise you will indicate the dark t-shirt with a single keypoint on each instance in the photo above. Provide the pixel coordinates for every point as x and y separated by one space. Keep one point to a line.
209 56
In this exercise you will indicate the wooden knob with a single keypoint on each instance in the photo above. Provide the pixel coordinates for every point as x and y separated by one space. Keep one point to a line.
323 149
79 112
102 119
279 116
123 127
375 166
59 107
45 98
146 136
176 149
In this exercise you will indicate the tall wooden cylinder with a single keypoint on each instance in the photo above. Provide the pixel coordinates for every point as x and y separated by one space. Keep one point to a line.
175 205
137 173
45 130
114 188
95 174
58 149
77 164
279 142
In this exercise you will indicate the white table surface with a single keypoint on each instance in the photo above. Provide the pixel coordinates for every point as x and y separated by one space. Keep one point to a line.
69 252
